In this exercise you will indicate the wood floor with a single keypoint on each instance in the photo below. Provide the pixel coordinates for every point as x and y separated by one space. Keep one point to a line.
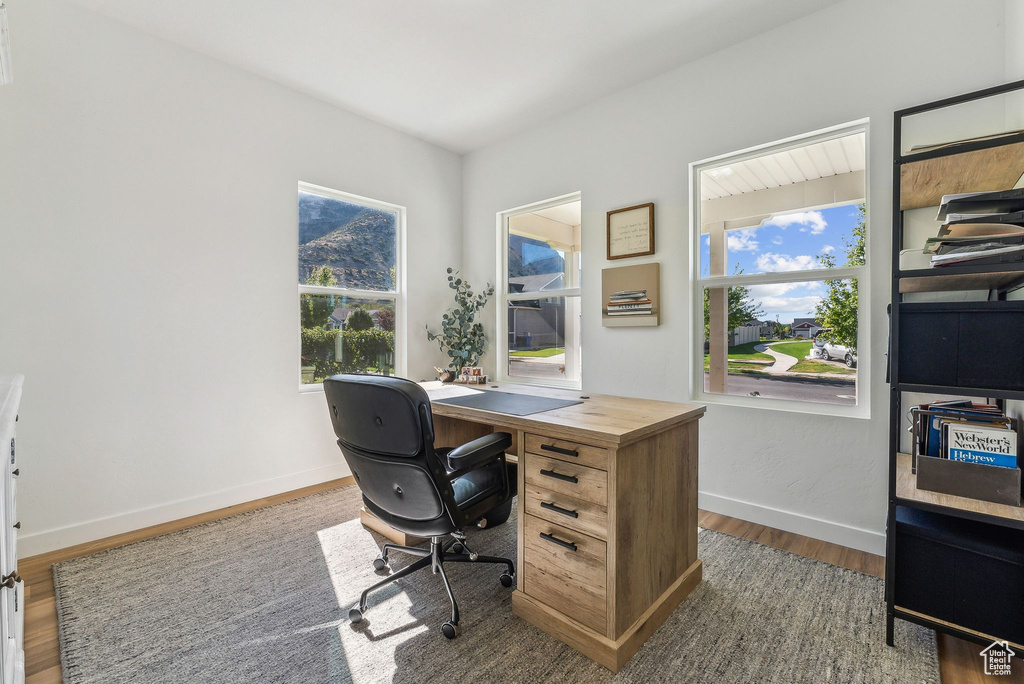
958 659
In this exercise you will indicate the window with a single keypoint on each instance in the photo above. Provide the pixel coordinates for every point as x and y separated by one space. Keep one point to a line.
351 313
539 298
780 274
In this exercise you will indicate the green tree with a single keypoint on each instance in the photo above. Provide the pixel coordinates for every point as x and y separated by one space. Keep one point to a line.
360 319
742 308
837 310
316 309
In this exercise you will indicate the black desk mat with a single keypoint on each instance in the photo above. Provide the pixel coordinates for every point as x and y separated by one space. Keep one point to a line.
508 403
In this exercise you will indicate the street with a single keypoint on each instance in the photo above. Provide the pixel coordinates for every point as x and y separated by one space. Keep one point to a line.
802 389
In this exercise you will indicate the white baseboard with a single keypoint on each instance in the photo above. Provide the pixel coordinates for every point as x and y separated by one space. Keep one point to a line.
837 533
90 530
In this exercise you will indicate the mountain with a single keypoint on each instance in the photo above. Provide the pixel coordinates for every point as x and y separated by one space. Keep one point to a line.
356 242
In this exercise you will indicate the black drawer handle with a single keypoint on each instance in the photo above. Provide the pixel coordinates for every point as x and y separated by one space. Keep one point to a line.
560 476
556 540
559 450
559 509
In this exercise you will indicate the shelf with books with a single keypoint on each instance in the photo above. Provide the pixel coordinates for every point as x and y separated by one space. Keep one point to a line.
955 346
907 494
964 277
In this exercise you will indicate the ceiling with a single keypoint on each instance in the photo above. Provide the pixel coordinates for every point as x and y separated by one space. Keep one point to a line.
808 162
570 213
459 73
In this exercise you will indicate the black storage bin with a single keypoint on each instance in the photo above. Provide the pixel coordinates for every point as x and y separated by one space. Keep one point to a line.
961 571
962 344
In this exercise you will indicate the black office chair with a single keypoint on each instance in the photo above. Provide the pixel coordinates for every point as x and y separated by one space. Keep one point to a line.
386 431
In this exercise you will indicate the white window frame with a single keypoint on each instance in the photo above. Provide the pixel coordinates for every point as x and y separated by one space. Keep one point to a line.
862 408
501 328
398 295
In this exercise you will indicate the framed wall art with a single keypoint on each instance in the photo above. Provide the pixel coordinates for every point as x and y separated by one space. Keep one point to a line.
631 231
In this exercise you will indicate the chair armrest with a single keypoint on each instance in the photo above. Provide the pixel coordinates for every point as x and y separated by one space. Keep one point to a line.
473 454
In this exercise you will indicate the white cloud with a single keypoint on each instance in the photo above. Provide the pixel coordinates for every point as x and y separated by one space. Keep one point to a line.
828 249
771 262
803 305
777 240
811 221
742 240
758 292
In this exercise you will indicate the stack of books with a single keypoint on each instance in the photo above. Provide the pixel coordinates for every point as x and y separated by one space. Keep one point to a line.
629 303
961 430
979 228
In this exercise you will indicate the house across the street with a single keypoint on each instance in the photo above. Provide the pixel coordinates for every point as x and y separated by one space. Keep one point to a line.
806 327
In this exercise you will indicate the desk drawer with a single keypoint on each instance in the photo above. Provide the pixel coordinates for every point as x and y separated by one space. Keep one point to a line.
567 571
582 516
572 452
569 479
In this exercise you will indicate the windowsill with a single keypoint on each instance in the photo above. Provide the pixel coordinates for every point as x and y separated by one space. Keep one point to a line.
861 410
540 382
311 388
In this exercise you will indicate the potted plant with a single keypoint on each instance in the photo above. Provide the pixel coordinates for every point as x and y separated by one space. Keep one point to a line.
461 336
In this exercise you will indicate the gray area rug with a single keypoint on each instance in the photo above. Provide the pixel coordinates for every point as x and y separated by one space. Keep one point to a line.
264 596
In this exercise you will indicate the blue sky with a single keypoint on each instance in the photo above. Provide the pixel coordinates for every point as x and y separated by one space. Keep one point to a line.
788 242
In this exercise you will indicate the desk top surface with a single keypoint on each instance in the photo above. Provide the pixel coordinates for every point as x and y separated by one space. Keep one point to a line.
600 418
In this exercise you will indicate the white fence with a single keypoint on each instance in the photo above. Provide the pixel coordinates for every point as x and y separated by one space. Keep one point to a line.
745 334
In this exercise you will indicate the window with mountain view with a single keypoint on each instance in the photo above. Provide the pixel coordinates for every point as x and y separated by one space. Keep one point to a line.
540 296
348 284
780 258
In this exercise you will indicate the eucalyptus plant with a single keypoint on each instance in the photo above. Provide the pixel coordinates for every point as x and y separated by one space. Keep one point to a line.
461 336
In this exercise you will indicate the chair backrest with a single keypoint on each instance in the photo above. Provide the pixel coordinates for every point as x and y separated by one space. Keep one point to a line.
386 433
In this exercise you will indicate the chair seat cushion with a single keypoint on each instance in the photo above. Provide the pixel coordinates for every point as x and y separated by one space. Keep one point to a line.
476 484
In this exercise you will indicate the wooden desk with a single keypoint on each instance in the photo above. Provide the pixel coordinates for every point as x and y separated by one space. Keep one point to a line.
628 472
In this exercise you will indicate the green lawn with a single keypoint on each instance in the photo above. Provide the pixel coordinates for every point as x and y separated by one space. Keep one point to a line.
821 367
746 351
799 350
735 367
539 353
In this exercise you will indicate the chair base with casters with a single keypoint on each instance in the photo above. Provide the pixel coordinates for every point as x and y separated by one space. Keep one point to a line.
434 558
386 432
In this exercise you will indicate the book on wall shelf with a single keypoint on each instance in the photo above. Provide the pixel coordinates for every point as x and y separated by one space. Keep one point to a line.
629 303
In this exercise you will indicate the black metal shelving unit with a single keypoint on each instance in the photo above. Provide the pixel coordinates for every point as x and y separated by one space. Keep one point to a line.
938 535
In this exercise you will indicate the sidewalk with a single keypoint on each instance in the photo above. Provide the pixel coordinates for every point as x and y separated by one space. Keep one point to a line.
783 362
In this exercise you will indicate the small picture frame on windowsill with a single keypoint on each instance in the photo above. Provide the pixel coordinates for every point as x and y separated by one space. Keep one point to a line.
631 231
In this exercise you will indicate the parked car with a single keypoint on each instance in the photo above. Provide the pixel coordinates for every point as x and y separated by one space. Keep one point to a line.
829 351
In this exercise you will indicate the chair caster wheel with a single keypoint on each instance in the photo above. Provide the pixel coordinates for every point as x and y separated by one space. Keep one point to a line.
450 630
380 563
458 548
355 614
507 580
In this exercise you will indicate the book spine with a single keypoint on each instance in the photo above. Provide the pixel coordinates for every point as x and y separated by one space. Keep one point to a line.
983 458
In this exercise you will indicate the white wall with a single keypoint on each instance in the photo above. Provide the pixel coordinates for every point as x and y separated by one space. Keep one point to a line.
816 475
148 271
